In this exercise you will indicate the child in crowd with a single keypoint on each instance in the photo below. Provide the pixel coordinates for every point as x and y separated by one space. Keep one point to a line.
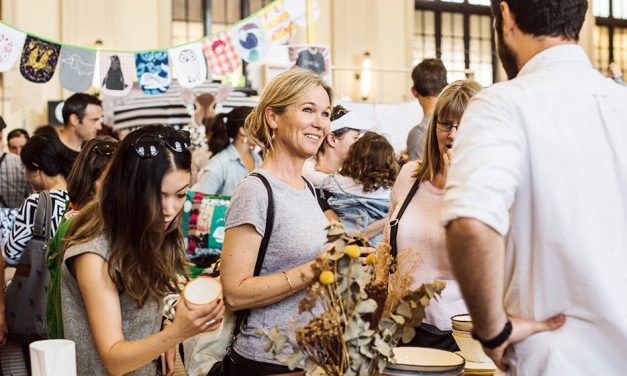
123 254
360 192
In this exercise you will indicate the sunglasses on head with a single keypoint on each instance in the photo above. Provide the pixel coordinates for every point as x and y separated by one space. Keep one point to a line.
147 146
106 148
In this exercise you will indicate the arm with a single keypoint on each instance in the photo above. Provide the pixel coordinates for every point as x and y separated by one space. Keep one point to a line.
102 304
210 178
374 228
331 215
241 289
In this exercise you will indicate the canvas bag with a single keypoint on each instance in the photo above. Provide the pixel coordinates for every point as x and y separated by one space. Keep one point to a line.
25 299
203 227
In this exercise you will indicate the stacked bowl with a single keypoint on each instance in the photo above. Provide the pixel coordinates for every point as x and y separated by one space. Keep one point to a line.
478 363
423 361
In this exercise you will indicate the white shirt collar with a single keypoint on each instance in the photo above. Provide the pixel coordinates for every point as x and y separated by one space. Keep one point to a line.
560 53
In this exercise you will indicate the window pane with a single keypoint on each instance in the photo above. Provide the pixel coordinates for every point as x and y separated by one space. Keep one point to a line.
481 49
601 8
453 45
194 10
601 48
619 9
620 47
424 36
178 10
225 11
480 2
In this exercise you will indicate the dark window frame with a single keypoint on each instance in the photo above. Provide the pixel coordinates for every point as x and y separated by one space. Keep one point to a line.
611 23
466 9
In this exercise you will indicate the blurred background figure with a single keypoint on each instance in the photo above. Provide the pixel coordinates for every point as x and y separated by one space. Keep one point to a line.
16 139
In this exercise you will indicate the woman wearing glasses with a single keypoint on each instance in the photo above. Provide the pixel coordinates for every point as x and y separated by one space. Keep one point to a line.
290 123
123 254
420 240
82 184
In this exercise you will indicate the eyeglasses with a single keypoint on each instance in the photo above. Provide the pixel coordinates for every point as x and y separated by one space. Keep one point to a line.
147 146
446 126
106 149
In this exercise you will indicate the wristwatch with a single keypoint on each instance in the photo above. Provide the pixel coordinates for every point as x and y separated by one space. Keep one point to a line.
498 340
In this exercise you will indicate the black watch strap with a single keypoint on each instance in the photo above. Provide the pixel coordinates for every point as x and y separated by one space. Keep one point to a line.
498 340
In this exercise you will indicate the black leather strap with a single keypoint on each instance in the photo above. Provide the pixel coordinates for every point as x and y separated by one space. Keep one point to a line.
498 340
394 223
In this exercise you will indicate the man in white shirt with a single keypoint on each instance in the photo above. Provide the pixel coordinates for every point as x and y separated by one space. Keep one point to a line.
536 202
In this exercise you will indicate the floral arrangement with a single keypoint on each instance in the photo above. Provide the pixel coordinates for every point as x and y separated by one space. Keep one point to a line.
366 311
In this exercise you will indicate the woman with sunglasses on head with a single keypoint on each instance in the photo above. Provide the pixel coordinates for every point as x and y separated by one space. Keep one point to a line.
290 123
123 254
416 201
82 184
232 157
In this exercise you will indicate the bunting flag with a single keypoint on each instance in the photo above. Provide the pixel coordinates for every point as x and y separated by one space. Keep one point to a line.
221 54
76 69
39 59
297 10
153 71
190 68
250 40
276 22
116 72
11 43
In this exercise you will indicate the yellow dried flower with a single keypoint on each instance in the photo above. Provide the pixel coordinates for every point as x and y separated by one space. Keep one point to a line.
372 259
327 277
352 250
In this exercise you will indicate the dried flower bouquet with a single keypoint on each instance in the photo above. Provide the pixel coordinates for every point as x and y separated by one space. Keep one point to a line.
367 311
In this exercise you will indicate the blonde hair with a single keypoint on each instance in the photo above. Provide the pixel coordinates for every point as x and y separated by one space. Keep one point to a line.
451 103
283 90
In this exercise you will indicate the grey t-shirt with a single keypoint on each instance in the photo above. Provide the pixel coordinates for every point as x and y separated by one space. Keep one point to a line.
416 139
298 236
137 322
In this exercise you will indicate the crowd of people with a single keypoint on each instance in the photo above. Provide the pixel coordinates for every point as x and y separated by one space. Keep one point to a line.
497 199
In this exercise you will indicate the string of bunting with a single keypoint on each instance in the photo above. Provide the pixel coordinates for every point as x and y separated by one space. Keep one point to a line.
192 63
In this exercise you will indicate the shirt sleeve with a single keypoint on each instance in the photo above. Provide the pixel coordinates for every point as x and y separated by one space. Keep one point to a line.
488 159
22 231
211 178
249 205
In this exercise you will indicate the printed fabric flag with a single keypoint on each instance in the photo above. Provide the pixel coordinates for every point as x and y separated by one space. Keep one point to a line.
116 72
298 11
76 69
190 67
11 43
250 40
221 54
39 59
277 23
153 71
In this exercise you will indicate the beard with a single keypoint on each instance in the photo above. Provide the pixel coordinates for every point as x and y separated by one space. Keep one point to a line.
507 56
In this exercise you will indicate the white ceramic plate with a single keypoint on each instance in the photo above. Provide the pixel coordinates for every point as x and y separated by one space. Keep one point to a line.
424 359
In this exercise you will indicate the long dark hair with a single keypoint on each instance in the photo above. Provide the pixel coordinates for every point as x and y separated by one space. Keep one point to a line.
144 260
225 128
46 153
87 169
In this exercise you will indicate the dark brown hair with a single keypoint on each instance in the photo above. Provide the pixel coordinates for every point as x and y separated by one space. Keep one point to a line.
371 162
225 128
81 183
144 260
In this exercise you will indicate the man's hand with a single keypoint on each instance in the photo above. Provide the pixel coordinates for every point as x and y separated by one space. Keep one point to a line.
521 329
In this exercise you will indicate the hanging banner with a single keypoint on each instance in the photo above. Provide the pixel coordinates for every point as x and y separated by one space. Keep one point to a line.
298 11
11 43
250 40
277 23
116 71
190 68
153 71
39 59
76 68
221 54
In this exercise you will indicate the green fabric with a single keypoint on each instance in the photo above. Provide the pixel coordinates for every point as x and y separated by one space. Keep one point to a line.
53 260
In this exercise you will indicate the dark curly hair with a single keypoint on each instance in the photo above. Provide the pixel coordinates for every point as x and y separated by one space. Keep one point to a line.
371 162
555 18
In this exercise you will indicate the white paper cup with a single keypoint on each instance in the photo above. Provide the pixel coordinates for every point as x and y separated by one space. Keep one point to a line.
53 357
201 291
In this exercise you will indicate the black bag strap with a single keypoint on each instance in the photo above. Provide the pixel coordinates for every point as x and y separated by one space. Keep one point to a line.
395 221
2 202
311 188
43 217
242 316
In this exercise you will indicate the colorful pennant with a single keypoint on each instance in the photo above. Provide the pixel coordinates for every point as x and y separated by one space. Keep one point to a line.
190 68
276 22
39 59
297 10
250 40
11 43
153 71
76 68
221 54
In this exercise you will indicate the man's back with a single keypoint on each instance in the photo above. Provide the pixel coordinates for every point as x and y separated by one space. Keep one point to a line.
551 144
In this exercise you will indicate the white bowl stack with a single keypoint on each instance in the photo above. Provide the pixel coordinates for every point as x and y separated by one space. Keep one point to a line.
477 361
